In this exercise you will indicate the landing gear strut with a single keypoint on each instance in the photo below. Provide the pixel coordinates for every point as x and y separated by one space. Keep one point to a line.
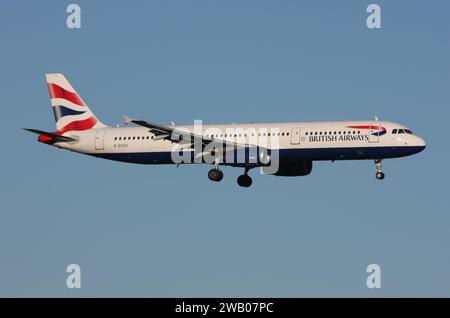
379 175
244 180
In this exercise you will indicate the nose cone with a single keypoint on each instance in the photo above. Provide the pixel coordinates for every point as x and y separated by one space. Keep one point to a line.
420 143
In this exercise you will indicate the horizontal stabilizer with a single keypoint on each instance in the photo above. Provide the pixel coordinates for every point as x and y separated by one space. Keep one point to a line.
56 137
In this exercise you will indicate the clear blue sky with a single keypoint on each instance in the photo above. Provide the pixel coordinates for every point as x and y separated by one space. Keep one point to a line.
162 231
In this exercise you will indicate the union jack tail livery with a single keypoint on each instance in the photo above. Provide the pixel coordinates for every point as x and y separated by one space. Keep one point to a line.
71 112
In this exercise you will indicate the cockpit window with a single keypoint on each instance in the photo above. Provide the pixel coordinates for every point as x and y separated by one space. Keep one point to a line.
402 131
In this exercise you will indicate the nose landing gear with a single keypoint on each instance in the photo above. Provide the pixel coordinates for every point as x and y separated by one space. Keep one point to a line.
379 175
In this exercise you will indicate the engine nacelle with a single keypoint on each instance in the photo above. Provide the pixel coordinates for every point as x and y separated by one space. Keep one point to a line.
302 168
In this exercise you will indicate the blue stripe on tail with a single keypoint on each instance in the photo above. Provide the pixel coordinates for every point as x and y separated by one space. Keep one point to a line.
61 111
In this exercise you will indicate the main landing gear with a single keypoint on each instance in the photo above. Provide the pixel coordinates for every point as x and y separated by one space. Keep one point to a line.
243 180
379 175
215 175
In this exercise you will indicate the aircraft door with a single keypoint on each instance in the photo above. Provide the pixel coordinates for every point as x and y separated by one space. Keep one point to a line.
295 135
100 139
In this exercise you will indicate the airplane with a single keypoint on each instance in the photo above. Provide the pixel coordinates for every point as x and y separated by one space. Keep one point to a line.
280 149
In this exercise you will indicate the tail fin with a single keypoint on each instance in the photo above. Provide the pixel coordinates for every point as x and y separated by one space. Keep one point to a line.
71 112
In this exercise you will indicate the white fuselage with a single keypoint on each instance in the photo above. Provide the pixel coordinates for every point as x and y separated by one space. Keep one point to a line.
296 141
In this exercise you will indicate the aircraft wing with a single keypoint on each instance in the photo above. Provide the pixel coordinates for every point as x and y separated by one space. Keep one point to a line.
177 136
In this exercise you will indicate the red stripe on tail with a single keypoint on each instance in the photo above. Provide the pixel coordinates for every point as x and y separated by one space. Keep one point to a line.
57 91
80 125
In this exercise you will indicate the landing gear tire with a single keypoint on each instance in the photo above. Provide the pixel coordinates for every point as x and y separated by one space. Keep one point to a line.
215 175
244 180
379 175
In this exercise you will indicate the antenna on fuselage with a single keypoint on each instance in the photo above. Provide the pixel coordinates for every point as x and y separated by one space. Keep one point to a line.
376 118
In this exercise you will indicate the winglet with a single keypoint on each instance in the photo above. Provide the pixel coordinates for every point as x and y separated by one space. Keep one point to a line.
127 119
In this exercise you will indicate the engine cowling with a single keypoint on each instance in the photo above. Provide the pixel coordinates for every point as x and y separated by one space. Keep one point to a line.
302 168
